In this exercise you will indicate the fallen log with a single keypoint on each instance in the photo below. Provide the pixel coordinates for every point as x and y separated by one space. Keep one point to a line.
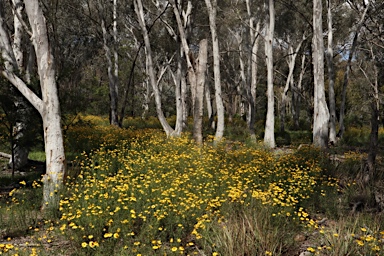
5 155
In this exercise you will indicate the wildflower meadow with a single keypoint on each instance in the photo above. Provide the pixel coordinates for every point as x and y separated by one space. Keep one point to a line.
136 192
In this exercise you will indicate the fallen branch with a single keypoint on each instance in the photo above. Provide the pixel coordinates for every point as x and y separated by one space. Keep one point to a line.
5 155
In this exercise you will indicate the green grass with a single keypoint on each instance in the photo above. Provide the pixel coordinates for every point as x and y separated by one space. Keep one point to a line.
37 156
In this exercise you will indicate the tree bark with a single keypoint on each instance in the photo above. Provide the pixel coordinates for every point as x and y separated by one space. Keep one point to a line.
254 40
47 106
321 113
194 75
179 80
269 135
113 79
212 9
151 73
201 67
331 77
20 148
181 72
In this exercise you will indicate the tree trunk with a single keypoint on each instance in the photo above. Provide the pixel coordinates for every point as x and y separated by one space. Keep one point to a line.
208 101
212 9
48 106
53 137
113 79
269 135
254 58
321 113
151 73
289 82
297 95
254 40
20 148
193 72
179 80
331 77
181 71
201 67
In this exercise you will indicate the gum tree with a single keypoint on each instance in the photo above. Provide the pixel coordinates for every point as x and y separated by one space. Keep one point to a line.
269 135
321 113
48 104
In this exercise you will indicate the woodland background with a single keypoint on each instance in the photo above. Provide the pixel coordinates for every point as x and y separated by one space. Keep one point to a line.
220 127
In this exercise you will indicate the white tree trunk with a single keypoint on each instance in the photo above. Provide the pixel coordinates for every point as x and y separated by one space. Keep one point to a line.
181 72
47 106
254 39
321 113
208 102
201 68
269 135
289 82
331 77
212 9
180 97
194 75
254 60
151 73
20 148
113 78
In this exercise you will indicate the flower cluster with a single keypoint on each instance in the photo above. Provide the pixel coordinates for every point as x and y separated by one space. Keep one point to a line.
159 193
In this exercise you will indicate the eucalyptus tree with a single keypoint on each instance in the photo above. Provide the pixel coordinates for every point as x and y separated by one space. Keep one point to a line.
139 10
212 12
21 141
269 133
321 113
254 39
331 76
196 68
48 104
184 11
113 64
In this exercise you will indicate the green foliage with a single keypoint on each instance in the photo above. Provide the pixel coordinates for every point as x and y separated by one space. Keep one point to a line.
37 156
356 136
300 137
